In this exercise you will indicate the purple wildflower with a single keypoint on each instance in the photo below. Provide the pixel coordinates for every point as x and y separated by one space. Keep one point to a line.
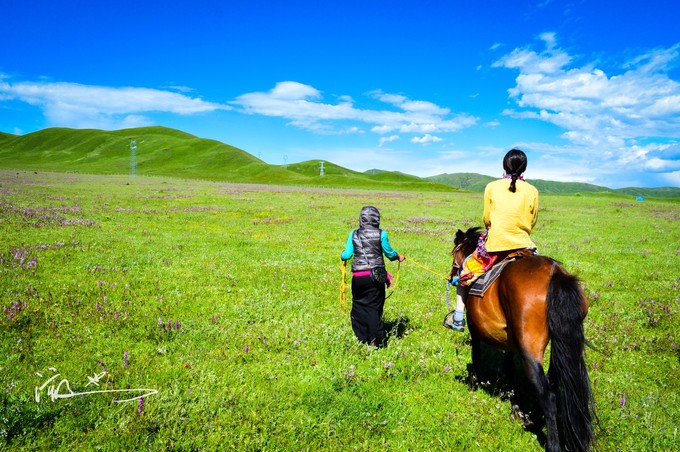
140 409
622 401
389 365
246 348
115 315
177 325
125 358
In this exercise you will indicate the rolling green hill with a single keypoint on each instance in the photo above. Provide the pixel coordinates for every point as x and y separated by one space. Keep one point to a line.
467 181
161 151
168 152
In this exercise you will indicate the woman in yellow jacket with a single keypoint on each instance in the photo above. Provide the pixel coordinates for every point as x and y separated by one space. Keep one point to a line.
510 212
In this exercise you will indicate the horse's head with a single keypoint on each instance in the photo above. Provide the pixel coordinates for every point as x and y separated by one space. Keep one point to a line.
464 244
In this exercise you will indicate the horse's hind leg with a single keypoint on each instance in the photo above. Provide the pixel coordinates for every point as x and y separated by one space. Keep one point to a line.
546 400
514 395
476 362
509 371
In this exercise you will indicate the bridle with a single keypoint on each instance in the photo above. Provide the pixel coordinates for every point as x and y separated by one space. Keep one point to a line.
457 255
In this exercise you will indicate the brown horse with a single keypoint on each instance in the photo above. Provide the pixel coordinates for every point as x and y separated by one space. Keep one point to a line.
535 301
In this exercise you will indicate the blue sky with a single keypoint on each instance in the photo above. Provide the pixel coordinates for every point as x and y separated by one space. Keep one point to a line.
589 89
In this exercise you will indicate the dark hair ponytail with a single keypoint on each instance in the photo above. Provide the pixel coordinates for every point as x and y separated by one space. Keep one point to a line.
513 181
514 164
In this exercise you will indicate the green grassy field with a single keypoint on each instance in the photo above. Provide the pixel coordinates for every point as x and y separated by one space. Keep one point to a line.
224 298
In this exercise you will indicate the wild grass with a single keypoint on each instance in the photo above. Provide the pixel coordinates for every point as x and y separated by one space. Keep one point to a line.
225 299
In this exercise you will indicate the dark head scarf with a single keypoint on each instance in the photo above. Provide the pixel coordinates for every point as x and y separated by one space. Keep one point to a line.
369 218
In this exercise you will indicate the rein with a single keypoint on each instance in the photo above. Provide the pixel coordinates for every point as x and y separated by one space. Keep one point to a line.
456 263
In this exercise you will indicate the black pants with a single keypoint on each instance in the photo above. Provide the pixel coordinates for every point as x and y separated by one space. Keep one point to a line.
368 301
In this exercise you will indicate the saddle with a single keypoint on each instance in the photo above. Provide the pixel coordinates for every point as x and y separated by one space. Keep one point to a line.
484 282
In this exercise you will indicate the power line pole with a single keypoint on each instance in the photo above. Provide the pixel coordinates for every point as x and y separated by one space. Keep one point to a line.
133 158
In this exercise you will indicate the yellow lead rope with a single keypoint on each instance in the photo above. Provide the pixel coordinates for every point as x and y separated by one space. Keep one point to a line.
343 287
446 277
343 281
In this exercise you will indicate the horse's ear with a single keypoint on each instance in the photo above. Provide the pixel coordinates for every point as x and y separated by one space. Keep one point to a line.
460 235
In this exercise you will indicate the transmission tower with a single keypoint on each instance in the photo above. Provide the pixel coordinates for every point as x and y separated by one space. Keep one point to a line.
133 158
321 170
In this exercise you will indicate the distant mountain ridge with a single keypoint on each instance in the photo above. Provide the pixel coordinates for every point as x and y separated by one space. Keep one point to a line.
477 182
162 151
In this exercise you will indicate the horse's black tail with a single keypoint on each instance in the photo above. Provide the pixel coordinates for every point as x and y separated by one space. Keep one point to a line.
568 372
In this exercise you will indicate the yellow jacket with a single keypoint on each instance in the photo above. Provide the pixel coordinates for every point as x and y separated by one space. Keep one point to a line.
509 216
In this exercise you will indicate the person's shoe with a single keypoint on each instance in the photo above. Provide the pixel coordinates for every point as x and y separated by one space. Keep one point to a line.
455 325
458 325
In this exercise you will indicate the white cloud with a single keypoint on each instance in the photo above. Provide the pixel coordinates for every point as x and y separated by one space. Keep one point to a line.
426 139
82 106
303 106
294 90
603 116
389 139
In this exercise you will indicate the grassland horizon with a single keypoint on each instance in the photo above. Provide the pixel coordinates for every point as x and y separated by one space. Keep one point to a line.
161 151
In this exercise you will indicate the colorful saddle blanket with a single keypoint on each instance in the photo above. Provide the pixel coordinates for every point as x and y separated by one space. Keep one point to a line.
483 282
487 278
